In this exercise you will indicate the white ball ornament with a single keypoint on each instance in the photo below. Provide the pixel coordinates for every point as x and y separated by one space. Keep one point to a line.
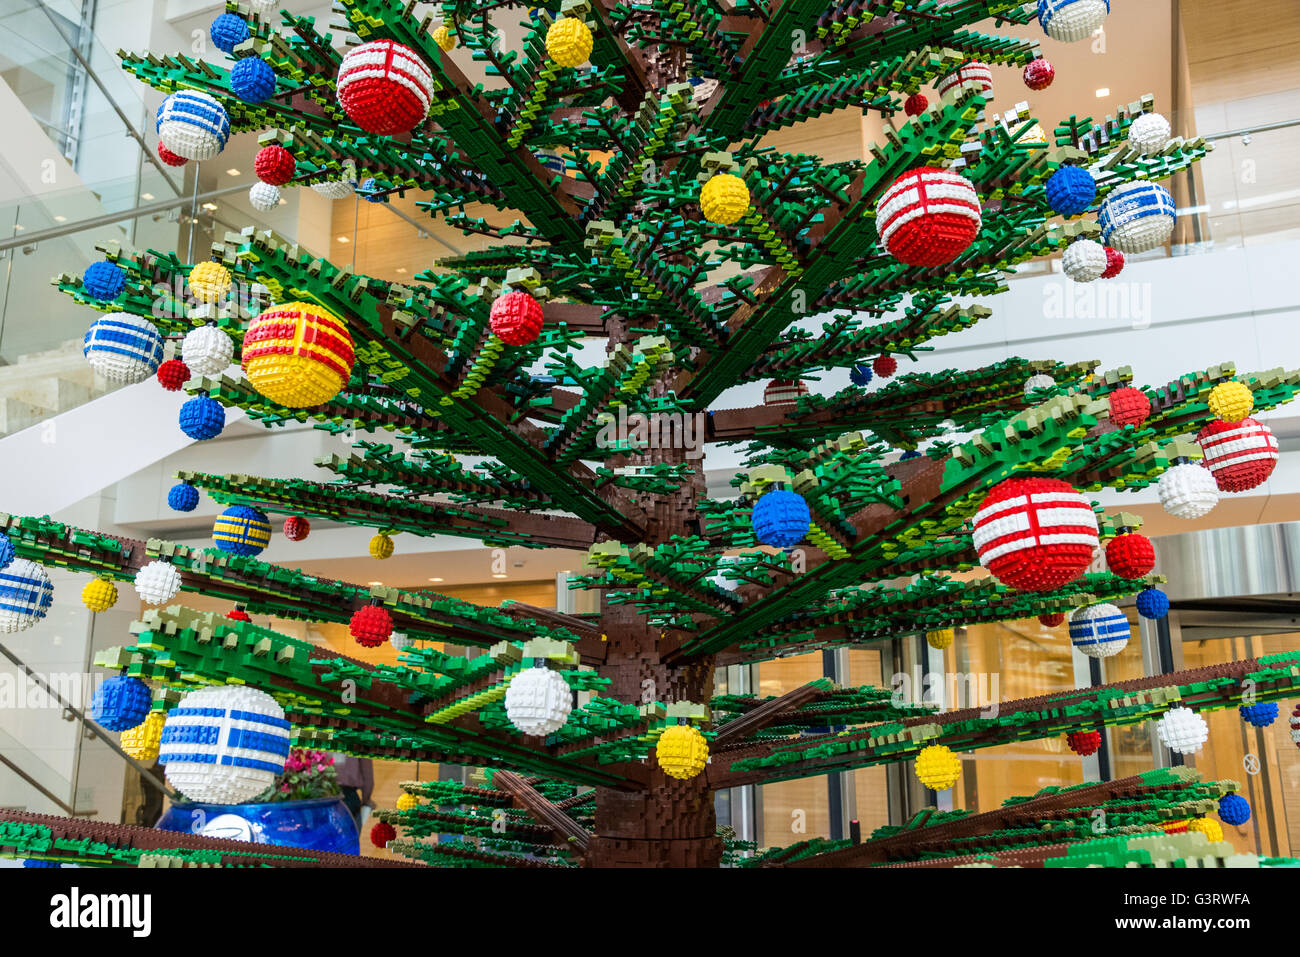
1188 491
224 745
1149 133
1072 20
1182 730
538 701
334 189
25 595
1137 216
123 348
193 125
263 7
1040 381
1084 260
399 641
207 350
157 582
263 196
1099 631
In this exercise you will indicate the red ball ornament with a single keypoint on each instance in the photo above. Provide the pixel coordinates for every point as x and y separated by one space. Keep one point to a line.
1130 555
884 366
915 104
1035 534
1052 619
371 626
1129 406
296 528
173 374
382 833
1039 74
274 164
385 88
169 158
516 318
1084 742
784 393
1240 455
928 217
238 614
1114 263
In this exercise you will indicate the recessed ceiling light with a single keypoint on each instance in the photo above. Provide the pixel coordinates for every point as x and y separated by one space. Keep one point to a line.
60 219
374 583
1104 91
210 206
232 172
500 576
146 195
435 579
344 239
283 201
19 226
401 269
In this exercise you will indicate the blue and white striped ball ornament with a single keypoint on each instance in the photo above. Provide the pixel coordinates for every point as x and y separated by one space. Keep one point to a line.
103 280
1071 190
861 374
224 745
25 595
7 553
183 497
781 518
123 348
202 417
252 79
1099 631
241 530
121 703
227 32
193 125
1137 216
1152 603
1259 715
1072 20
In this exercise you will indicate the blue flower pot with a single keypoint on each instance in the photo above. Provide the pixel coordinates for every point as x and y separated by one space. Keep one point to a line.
322 824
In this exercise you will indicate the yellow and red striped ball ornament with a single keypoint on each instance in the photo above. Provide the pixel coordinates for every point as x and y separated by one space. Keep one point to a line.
298 354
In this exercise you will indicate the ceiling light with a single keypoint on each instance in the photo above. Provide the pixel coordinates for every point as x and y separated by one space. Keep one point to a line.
60 219
374 583
344 239
211 207
146 195
232 172
401 269
19 226
1104 91
499 575
435 579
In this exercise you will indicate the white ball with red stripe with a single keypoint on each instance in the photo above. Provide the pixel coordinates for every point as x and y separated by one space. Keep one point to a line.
928 217
385 88
1295 726
1240 455
784 392
1035 534
974 72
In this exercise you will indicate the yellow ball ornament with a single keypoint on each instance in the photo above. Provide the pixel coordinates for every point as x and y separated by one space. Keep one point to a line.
99 595
142 741
569 42
1207 826
940 639
1231 401
444 38
209 281
407 802
682 752
381 547
724 199
298 354
938 768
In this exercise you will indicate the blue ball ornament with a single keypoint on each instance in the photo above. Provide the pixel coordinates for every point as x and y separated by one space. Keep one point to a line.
104 281
781 519
121 703
1259 715
860 374
252 79
31 862
183 497
368 186
909 454
228 31
1071 190
1152 603
1234 809
241 530
7 552
202 417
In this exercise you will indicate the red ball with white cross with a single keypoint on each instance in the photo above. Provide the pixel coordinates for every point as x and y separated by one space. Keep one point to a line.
928 217
1035 534
385 88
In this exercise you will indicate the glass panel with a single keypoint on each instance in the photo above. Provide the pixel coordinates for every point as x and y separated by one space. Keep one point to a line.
792 810
870 786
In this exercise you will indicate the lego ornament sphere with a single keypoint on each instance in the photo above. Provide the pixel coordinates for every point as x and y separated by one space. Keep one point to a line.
682 752
252 79
569 42
1036 382
1071 190
915 104
274 164
1129 406
1114 263
785 393
940 639
142 741
1182 730
183 497
538 701
121 702
103 280
1084 260
1039 74
860 375
445 39
928 217
1035 534
227 32
1072 20
937 767
781 518
1149 133
1130 555
724 199
1084 743
1099 631
1052 619
192 125
1259 715
1137 216
381 547
7 553
371 626
333 189
157 583
224 745
241 530
263 197
202 418
1234 810
884 366
296 528
238 614
100 594
207 350
209 281
1188 491
1207 826
297 354
173 374
382 833
1231 401
972 72
1240 455
516 318
385 88
406 802
123 348
26 594
1152 603
169 158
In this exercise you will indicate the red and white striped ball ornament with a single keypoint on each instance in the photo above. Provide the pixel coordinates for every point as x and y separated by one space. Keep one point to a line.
1039 74
1187 491
784 393
972 71
385 88
1035 534
928 217
1240 455
1295 726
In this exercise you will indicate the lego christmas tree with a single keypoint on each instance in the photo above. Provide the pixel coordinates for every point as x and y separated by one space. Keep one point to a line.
616 159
